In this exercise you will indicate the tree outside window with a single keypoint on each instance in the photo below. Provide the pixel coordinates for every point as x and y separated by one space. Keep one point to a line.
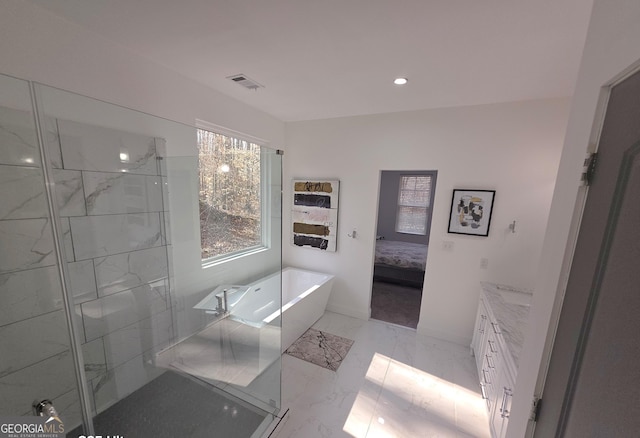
230 195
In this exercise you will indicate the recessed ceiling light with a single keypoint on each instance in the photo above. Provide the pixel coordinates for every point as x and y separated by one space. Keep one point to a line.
400 81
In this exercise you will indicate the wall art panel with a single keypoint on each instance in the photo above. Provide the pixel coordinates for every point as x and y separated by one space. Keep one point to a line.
315 213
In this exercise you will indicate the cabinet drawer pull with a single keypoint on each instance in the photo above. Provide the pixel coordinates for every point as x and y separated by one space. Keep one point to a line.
496 328
489 362
492 346
504 412
484 394
484 374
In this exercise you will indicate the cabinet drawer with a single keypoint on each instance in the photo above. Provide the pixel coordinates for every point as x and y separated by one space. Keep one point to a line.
493 351
487 387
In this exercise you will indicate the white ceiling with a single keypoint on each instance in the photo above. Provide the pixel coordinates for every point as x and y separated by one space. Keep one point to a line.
333 58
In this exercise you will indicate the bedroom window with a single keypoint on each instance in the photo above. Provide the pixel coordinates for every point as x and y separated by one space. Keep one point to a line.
230 196
413 204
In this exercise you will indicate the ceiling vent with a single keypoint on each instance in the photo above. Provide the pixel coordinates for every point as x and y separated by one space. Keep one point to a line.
245 82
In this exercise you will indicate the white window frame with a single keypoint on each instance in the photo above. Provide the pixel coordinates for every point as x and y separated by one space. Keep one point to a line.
265 205
426 208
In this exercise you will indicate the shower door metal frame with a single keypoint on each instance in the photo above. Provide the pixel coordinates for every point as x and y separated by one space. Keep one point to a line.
54 214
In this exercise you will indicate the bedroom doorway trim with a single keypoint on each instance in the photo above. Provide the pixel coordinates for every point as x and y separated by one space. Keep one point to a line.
400 256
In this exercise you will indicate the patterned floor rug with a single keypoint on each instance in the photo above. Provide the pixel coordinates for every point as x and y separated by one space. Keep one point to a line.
321 348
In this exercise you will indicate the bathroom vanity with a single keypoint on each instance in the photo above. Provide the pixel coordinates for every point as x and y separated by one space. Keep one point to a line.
497 345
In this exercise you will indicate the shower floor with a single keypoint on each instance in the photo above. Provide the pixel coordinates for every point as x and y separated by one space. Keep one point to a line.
176 406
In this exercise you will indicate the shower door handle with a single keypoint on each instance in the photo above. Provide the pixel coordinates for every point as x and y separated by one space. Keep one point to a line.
44 408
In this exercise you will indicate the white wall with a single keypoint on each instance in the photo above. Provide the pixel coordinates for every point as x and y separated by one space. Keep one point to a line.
37 45
611 47
513 148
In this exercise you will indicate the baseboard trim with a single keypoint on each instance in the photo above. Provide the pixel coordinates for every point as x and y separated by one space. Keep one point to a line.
342 310
445 336
421 329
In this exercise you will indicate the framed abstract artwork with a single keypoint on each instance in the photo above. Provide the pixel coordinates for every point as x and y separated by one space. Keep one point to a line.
314 214
471 212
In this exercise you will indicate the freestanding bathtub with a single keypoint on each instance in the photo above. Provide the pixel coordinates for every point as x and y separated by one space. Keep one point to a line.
304 299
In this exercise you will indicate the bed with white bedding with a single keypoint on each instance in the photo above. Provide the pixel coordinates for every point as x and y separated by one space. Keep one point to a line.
400 262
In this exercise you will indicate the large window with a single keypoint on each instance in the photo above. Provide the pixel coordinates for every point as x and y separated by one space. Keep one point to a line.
414 199
230 195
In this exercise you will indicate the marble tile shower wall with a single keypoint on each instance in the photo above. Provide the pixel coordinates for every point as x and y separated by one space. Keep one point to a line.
33 336
109 190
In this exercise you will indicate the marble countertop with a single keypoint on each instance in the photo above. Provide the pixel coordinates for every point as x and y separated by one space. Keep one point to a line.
510 307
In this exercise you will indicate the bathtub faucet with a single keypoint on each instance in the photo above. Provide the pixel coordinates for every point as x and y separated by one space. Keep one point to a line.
229 297
223 303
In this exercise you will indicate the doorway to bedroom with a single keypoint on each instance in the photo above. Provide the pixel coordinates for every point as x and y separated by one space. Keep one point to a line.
405 204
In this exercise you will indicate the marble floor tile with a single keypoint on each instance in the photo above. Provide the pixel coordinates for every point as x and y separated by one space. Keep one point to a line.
393 383
263 392
464 371
471 414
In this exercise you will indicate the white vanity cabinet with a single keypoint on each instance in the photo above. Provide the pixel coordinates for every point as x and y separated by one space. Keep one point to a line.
480 334
496 345
499 415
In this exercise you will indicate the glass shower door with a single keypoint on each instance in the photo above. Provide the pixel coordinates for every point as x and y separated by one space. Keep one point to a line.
239 352
128 211
37 360
97 294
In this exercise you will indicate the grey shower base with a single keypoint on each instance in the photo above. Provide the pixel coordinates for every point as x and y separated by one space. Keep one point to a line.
173 406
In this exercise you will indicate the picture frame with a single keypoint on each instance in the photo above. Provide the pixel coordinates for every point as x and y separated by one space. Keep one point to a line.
471 211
